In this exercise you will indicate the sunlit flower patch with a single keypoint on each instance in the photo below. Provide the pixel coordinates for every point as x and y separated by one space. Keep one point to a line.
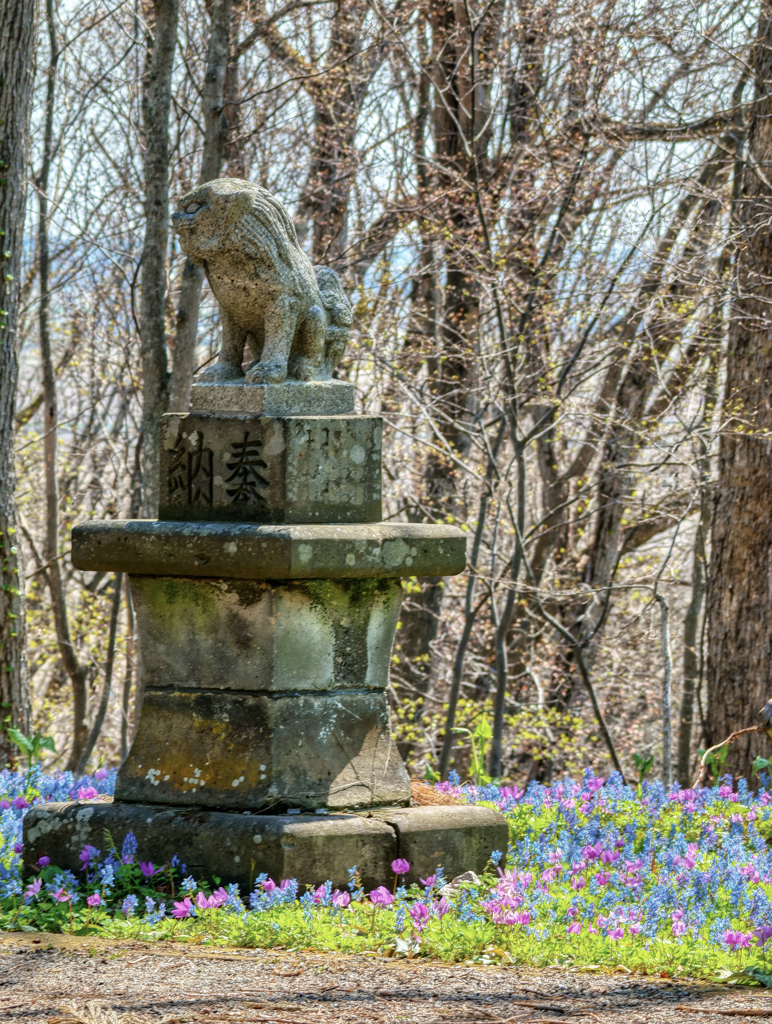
597 873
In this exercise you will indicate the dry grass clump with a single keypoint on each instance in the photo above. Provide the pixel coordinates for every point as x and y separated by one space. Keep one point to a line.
94 1013
426 795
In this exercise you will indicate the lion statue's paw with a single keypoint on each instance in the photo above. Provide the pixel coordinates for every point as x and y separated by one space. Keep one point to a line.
220 373
266 373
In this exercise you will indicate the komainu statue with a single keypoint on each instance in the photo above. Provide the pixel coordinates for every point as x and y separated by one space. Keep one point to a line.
294 317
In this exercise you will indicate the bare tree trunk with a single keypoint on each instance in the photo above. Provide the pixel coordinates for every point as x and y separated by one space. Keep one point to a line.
215 137
77 672
739 607
99 718
128 674
691 641
17 52
155 374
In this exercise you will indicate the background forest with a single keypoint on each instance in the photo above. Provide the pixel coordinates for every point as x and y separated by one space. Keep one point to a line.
551 219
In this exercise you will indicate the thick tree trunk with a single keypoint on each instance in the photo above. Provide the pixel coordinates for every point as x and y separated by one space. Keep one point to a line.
215 136
739 599
157 104
17 51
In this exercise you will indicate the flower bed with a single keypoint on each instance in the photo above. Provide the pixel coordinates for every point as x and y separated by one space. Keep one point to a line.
597 874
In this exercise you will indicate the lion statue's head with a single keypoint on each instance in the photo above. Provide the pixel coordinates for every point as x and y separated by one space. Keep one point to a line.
231 220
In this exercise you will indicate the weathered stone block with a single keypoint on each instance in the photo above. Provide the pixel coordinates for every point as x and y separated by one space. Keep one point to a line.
246 551
238 847
264 752
292 398
306 635
443 836
261 469
234 847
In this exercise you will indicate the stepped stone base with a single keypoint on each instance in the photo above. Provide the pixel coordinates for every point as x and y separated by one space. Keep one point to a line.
292 398
239 847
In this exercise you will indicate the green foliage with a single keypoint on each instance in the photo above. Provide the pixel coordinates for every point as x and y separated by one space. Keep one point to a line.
31 747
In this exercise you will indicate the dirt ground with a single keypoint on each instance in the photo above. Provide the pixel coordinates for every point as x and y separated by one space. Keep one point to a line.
61 980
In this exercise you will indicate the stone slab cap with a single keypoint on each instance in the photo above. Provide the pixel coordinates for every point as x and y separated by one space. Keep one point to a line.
292 398
154 547
239 847
454 837
234 847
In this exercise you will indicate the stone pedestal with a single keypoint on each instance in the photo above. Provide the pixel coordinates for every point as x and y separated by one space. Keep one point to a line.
267 596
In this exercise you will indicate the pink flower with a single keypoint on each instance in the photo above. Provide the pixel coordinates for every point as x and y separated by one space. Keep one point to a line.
420 915
679 927
762 934
577 882
381 897
428 882
736 819
269 885
94 899
220 896
602 878
609 856
602 921
400 866
319 895
87 793
32 889
616 933
635 928
737 940
575 928
592 853
341 899
61 896
726 793
205 902
183 908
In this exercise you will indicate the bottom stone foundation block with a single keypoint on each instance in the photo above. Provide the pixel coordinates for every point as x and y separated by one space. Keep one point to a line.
239 847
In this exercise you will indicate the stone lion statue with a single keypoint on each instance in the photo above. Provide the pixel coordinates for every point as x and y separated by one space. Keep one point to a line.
294 317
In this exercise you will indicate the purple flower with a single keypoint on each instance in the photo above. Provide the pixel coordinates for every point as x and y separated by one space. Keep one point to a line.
419 912
319 894
94 899
441 907
19 803
269 885
61 896
87 793
32 889
183 908
603 878
100 774
575 928
4 804
679 927
43 862
147 869
577 882
616 933
87 854
341 899
762 934
381 897
428 882
18 847
400 866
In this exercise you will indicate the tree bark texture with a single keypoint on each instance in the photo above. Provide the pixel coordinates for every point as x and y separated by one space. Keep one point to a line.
157 105
739 591
215 138
17 51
